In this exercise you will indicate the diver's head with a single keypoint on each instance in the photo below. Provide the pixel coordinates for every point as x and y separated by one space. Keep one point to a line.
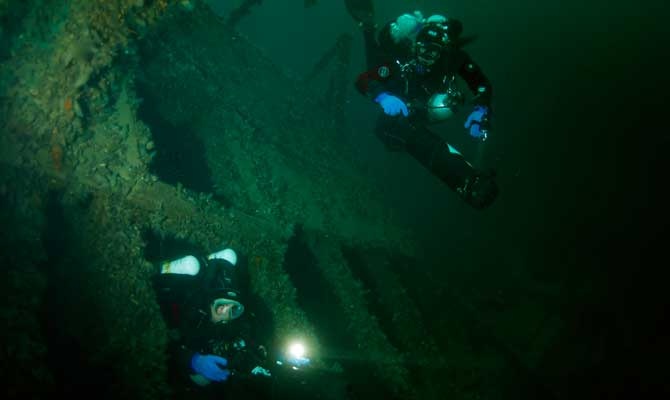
434 38
223 310
221 286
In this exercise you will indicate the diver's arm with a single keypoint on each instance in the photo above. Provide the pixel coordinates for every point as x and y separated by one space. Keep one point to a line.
383 73
189 339
375 81
181 357
476 81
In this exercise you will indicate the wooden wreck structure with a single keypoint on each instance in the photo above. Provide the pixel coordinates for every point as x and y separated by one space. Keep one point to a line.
73 139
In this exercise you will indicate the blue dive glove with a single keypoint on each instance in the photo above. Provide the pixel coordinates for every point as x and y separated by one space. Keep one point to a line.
391 104
210 366
477 122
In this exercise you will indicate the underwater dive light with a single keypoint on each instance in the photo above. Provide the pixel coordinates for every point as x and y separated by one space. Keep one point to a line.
295 355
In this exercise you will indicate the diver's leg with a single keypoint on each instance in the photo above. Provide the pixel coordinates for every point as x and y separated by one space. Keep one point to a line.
477 188
373 52
362 11
393 132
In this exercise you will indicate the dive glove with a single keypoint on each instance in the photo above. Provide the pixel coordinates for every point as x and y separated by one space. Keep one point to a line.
210 366
477 122
391 104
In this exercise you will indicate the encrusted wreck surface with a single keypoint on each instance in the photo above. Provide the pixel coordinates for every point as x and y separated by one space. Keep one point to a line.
73 140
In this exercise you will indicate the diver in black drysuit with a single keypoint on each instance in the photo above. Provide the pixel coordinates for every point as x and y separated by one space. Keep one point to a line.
413 63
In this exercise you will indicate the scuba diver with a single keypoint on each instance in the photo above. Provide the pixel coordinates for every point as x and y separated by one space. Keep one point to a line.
211 348
413 63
